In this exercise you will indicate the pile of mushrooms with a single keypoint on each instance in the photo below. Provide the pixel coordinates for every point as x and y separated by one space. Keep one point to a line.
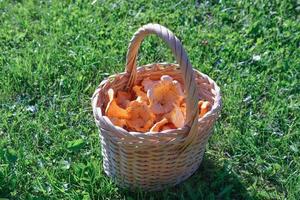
153 105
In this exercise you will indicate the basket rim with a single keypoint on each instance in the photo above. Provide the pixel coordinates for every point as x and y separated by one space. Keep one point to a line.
167 133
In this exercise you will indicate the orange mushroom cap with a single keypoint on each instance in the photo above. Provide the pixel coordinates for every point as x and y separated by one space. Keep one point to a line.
183 109
164 94
147 83
113 109
141 95
176 116
158 125
168 126
118 122
140 117
205 106
123 98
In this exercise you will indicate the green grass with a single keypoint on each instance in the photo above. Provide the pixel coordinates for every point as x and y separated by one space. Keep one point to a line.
53 54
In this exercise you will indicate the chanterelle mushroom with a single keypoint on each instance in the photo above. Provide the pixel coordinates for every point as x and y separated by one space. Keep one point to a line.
118 122
113 109
164 94
183 109
204 107
147 83
176 116
123 99
158 125
140 117
168 126
141 95
159 105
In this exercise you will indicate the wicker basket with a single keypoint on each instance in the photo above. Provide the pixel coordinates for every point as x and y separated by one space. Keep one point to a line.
153 161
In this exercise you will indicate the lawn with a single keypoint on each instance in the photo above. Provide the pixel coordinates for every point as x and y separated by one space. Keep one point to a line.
53 54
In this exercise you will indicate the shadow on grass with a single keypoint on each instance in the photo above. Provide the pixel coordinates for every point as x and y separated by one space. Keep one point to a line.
210 181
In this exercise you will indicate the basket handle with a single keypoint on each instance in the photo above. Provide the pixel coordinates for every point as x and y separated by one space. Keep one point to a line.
182 59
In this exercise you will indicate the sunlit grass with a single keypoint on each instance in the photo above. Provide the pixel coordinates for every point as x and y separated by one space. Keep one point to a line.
53 54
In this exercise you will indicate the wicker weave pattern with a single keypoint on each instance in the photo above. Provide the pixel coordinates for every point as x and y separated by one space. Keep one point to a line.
152 161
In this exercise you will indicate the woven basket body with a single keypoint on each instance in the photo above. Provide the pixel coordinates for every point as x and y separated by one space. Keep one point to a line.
153 161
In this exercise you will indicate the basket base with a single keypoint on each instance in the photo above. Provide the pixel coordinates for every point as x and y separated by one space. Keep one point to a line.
158 186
